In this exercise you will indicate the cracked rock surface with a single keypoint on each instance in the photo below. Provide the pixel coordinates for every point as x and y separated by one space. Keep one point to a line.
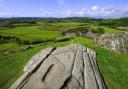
70 67
117 42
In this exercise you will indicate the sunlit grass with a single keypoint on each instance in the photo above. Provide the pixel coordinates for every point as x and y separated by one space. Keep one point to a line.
106 29
113 66
30 33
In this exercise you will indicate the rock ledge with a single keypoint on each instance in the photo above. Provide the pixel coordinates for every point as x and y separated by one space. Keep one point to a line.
70 67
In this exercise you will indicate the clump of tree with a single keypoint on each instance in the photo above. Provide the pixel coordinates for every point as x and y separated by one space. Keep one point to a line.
114 23
13 23
77 29
30 42
100 31
23 22
63 39
6 25
6 39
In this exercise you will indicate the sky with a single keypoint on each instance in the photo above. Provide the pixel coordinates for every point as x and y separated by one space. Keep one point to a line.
64 8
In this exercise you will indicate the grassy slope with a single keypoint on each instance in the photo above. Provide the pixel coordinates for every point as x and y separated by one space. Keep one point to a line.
65 26
32 32
60 26
113 66
106 29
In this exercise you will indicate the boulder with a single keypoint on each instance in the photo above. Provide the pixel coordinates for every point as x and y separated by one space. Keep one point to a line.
70 67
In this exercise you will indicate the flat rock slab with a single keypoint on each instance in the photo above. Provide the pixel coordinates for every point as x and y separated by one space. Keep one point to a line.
70 67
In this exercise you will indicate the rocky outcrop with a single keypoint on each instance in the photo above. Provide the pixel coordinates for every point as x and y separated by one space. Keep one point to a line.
70 67
117 42
83 33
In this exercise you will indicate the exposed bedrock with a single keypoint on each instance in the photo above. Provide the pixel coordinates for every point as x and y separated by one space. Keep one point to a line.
70 67
80 33
117 42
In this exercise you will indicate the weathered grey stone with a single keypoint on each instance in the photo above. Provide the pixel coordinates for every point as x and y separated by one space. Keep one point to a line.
117 42
37 59
87 32
91 34
70 67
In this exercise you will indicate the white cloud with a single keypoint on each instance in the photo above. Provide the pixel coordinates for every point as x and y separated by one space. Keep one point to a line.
67 13
45 13
94 8
94 11
110 12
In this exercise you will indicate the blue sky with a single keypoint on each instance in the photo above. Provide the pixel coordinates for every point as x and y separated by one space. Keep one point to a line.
64 8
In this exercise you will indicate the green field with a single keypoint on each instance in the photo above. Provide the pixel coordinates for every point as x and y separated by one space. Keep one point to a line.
13 56
30 33
106 29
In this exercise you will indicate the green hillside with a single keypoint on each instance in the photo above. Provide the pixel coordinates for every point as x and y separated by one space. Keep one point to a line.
14 55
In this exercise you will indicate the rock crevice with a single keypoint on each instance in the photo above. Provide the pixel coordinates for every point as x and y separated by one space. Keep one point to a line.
117 42
70 67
